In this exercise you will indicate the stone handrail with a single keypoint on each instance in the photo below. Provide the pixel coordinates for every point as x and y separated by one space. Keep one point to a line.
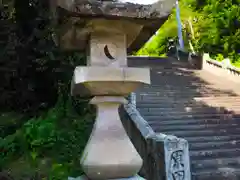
164 157
228 67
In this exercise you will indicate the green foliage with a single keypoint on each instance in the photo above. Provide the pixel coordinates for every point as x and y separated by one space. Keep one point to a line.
219 57
216 26
60 135
219 27
159 42
42 129
33 67
9 121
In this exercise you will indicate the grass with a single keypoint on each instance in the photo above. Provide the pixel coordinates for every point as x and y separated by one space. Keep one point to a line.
49 146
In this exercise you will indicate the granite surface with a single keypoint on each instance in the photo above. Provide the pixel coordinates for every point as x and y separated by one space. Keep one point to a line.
79 13
117 8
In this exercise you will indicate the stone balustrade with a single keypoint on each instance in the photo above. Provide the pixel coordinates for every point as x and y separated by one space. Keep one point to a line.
224 68
225 64
164 157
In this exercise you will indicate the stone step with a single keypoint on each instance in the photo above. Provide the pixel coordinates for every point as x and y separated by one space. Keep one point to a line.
217 145
196 94
214 153
218 99
185 93
189 116
199 108
196 111
170 81
191 98
215 163
186 110
200 119
163 91
174 71
168 85
205 132
176 83
199 165
193 81
202 127
155 62
188 107
157 122
167 104
220 138
184 90
202 93
180 97
227 173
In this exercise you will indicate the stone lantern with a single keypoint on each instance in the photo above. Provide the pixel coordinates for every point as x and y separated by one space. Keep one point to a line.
107 31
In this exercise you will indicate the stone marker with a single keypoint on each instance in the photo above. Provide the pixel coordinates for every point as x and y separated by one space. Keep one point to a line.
106 30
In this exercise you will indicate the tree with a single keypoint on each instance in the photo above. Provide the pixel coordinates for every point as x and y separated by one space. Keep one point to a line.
216 27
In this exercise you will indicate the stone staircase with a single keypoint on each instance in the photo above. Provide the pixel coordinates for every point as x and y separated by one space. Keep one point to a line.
199 107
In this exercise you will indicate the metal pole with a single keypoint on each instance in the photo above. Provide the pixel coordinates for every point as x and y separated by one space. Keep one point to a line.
180 36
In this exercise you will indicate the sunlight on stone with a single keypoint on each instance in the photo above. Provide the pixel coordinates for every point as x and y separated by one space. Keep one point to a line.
188 109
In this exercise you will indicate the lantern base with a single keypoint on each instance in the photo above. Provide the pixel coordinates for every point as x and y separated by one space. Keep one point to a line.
130 178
